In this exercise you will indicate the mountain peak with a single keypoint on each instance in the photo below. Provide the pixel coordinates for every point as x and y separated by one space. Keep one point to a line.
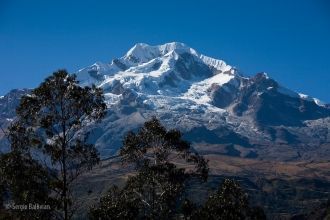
142 52
199 95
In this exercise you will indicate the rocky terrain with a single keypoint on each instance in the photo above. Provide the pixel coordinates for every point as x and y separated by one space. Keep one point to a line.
219 110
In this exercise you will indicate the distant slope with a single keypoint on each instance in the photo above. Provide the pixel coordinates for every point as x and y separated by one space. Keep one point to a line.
218 109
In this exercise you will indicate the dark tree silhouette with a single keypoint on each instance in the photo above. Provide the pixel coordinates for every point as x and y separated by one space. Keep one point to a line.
3 212
49 131
153 145
229 202
156 191
28 183
117 204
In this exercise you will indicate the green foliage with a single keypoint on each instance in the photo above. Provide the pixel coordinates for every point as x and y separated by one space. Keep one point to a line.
157 189
27 182
47 139
151 194
153 145
230 203
117 204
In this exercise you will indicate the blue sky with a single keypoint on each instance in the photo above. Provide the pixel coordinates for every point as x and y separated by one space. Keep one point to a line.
290 40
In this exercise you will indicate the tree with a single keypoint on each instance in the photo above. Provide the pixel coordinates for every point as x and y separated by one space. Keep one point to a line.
2 194
153 145
156 191
23 179
229 202
188 209
27 182
49 131
117 204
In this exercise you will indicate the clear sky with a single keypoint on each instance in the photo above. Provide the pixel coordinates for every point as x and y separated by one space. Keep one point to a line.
288 39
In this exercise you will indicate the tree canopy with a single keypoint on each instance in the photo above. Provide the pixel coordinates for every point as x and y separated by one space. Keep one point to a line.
48 137
229 202
157 189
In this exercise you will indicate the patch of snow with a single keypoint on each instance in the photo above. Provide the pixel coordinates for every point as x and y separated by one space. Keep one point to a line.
198 91
305 97
318 102
95 73
217 64
311 99
147 70
111 99
142 53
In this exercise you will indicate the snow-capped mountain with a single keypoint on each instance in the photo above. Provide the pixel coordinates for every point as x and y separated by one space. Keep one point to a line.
219 110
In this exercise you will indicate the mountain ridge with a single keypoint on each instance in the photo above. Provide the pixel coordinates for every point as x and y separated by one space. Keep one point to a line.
220 110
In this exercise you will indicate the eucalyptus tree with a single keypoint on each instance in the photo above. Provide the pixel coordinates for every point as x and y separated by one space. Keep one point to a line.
157 190
50 131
